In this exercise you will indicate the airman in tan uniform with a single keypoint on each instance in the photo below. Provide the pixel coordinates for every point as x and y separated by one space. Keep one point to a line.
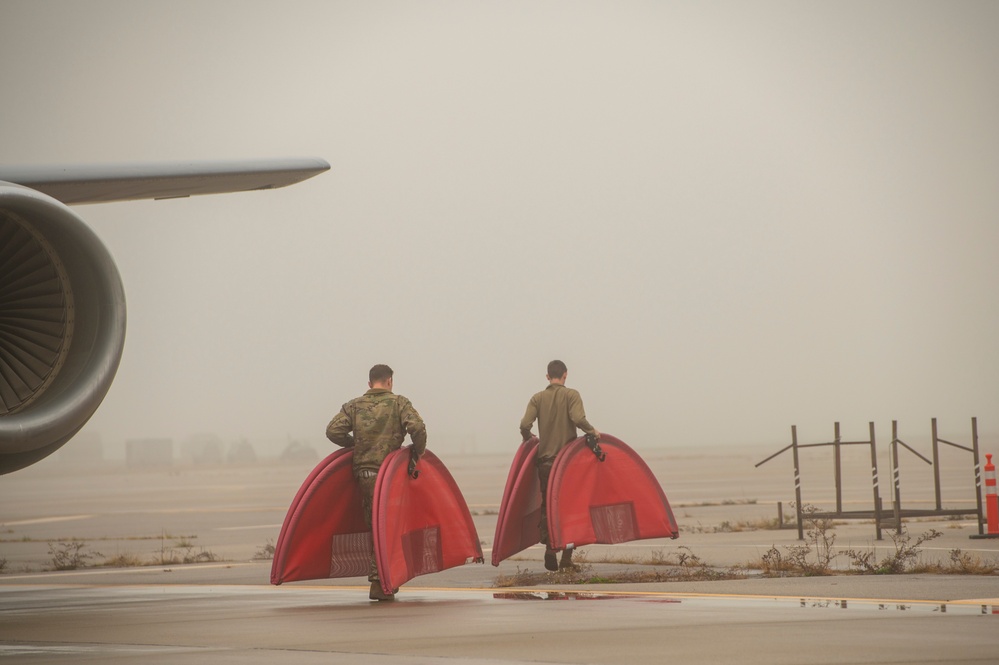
559 411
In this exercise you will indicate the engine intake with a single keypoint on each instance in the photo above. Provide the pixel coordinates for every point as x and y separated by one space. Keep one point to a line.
62 325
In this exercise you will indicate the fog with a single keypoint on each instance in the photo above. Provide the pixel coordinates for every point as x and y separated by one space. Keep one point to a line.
725 217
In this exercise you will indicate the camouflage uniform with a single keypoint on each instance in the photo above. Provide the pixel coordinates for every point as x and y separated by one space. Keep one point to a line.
559 411
380 421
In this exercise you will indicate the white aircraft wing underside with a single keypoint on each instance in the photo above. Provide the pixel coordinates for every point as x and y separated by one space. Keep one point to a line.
78 184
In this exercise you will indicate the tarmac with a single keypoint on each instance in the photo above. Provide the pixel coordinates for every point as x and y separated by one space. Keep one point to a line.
222 608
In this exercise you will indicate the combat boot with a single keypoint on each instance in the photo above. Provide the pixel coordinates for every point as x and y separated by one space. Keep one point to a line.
376 592
566 562
551 563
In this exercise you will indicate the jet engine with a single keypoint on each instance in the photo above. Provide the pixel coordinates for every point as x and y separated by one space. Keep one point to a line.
62 324
62 305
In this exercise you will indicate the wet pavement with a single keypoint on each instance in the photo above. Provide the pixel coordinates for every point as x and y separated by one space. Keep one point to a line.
224 611
81 619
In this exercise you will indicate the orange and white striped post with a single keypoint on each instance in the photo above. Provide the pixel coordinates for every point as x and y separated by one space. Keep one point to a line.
991 498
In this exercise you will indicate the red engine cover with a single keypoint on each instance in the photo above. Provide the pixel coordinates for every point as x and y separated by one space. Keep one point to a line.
613 501
324 534
420 525
520 509
589 501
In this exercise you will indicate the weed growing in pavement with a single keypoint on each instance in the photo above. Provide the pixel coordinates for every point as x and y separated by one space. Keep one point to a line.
795 560
738 526
172 557
523 577
819 538
688 566
29 539
658 557
773 563
265 552
682 558
70 555
73 553
813 557
900 561
123 560
684 565
166 558
966 563
724 502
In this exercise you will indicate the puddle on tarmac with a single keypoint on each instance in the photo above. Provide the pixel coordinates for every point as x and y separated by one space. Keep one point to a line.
784 603
575 595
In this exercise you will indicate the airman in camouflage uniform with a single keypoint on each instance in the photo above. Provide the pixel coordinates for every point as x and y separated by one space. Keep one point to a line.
559 411
379 420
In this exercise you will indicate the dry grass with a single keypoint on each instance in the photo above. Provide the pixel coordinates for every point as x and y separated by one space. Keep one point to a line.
966 563
265 552
71 555
799 560
813 557
70 539
725 502
123 560
737 526
74 554
902 560
188 555
683 565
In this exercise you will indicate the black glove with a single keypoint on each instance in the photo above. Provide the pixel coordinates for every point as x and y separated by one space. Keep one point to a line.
592 442
413 459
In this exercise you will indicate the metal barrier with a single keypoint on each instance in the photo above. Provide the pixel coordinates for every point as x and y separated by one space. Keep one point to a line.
877 514
839 512
939 510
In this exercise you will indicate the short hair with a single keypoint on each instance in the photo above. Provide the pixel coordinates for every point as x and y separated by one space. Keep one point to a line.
379 373
557 369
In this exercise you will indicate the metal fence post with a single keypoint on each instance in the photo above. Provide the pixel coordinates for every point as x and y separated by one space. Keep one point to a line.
978 473
797 482
897 508
839 469
874 474
936 464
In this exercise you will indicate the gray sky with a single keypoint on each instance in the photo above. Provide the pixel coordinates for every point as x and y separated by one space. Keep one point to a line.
725 217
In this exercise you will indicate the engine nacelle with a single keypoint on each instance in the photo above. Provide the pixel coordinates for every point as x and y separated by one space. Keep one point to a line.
62 324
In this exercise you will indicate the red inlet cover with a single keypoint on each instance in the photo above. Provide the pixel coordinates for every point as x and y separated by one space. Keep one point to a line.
520 509
613 501
589 501
421 525
324 534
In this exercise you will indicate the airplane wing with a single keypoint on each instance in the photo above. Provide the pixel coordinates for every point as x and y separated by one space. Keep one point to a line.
91 183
